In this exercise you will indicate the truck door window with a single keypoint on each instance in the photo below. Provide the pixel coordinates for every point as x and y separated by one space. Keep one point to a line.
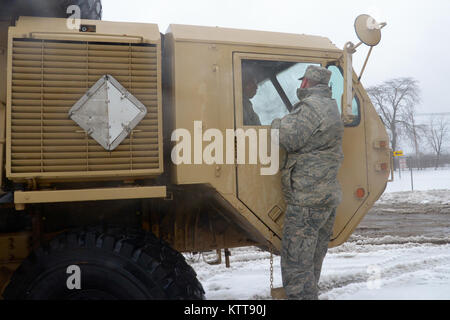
289 79
337 87
262 102
267 104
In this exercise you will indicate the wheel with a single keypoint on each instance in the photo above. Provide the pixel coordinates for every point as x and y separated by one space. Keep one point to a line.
113 264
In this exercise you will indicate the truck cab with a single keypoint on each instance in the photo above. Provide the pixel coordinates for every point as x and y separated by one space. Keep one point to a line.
58 180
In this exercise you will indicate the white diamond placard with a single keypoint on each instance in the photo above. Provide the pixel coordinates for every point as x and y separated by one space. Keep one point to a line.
108 112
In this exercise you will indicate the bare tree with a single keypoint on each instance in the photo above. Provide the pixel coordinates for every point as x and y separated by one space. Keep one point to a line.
393 99
414 132
437 133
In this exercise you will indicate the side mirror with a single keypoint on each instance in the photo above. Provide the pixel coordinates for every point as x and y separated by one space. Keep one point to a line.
368 31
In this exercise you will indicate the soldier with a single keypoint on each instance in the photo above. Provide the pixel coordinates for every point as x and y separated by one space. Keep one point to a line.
249 90
312 137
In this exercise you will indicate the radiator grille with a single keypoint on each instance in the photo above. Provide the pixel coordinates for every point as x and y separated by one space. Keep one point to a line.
48 77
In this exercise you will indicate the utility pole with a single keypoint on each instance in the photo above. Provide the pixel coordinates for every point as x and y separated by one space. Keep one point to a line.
410 168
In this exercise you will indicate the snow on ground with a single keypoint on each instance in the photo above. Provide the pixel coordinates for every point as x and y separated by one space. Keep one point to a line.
430 187
395 270
365 267
362 269
427 179
416 197
246 279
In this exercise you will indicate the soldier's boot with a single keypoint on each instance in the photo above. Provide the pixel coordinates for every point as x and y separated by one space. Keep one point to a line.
278 293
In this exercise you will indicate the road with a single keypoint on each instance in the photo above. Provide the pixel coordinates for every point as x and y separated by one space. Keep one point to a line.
406 219
401 250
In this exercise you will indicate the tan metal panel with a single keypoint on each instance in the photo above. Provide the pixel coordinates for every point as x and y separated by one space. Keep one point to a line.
249 37
53 196
54 28
14 246
49 77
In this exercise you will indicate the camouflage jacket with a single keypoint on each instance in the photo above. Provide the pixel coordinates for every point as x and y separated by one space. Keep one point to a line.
251 118
312 136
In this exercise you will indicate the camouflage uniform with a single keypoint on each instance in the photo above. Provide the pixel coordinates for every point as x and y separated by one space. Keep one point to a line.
312 136
251 118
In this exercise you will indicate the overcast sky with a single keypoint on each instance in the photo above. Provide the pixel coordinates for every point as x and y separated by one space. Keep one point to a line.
415 43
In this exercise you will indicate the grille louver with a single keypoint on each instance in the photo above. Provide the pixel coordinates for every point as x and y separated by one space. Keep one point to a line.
48 77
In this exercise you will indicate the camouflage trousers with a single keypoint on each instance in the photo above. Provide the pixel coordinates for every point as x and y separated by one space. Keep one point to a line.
306 234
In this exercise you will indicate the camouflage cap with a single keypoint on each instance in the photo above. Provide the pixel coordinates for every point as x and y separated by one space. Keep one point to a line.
318 74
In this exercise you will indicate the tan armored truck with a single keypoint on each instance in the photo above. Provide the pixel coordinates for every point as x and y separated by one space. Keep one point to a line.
109 161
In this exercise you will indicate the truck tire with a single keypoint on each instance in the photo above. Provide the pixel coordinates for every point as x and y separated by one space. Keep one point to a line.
114 264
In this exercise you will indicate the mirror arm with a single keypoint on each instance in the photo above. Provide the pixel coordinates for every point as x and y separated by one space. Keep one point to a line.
356 47
365 64
349 49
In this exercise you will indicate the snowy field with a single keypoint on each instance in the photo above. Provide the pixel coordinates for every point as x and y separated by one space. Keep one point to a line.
400 251
427 179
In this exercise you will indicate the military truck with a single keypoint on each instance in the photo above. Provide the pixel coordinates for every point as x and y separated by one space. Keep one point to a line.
91 182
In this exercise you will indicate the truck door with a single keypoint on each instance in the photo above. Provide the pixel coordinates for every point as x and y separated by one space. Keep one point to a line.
265 89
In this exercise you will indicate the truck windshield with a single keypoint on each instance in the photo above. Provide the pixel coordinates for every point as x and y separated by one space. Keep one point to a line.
267 103
270 89
289 80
